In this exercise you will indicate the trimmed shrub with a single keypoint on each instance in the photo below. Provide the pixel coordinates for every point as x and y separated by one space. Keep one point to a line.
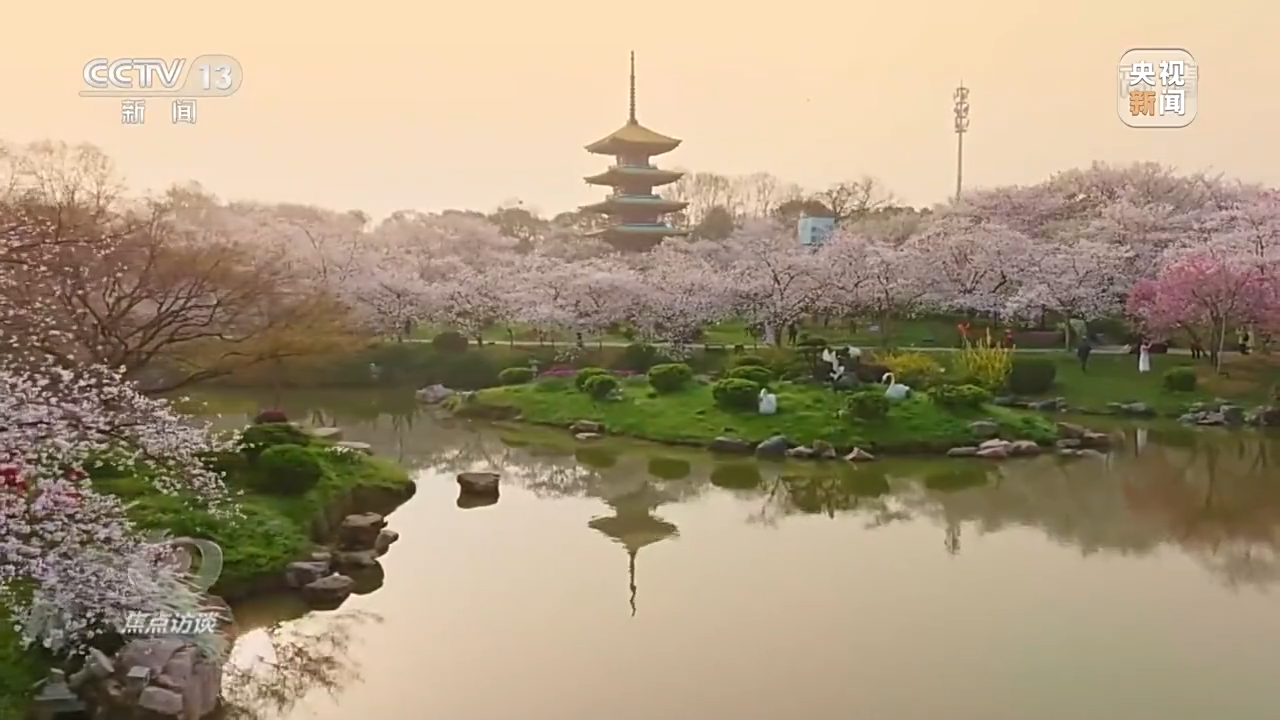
736 394
580 379
867 405
913 369
450 342
1180 379
600 386
270 415
1031 376
230 464
750 361
516 376
257 438
761 376
288 470
960 396
670 377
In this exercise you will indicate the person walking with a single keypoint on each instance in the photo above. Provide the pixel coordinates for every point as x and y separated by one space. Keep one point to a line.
1244 342
1144 356
1197 349
1083 350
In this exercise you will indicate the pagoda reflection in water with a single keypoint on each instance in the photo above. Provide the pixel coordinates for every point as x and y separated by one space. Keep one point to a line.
633 524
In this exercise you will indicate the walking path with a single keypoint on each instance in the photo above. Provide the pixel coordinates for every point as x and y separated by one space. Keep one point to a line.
1099 350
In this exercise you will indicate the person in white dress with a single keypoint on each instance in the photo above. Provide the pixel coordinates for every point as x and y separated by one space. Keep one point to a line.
1144 356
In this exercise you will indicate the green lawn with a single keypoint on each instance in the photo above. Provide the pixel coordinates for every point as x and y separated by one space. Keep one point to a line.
804 414
1115 378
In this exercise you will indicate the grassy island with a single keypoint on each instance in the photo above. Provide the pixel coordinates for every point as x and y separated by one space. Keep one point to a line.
691 415
293 488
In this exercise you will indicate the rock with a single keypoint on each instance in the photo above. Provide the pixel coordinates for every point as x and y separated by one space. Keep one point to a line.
775 446
1006 401
859 455
823 450
328 592
804 453
469 502
363 447
995 452
1265 416
984 429
1069 452
323 556
184 684
161 701
433 394
1133 409
732 445
1232 414
1091 453
1071 431
1054 405
587 426
360 532
1095 440
355 559
587 436
386 538
1209 418
1068 443
962 452
994 443
305 572
1190 418
1024 448
325 433
484 484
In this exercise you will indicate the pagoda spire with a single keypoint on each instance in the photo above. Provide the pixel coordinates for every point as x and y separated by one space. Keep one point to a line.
631 571
631 118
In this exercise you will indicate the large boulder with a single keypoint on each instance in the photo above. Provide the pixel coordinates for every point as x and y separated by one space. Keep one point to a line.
479 484
328 592
774 447
984 429
587 426
385 540
360 532
305 572
433 394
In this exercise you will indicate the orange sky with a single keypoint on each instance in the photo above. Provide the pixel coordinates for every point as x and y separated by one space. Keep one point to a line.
380 105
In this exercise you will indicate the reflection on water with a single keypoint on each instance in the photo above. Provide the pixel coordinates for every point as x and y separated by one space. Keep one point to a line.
1124 589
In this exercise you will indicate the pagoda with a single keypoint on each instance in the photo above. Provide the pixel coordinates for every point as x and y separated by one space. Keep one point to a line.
635 211
633 526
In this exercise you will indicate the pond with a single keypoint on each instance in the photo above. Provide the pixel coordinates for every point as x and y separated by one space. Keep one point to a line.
638 582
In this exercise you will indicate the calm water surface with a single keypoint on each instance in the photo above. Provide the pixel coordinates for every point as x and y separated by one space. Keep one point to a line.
636 583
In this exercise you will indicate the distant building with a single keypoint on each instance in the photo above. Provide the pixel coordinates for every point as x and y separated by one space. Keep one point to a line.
815 230
636 212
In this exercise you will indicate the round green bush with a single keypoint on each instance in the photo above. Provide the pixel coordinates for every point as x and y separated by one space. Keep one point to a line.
1032 376
585 374
736 394
960 396
288 470
257 438
750 361
1180 379
670 377
600 386
450 342
867 405
516 376
761 376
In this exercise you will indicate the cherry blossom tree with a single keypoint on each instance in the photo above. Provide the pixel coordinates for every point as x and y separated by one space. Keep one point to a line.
681 294
1083 280
976 263
1207 291
775 281
68 553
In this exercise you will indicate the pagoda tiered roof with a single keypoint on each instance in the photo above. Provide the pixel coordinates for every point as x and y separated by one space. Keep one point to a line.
649 175
634 139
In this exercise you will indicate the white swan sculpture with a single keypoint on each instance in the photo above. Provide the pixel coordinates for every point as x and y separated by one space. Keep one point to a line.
768 404
896 390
